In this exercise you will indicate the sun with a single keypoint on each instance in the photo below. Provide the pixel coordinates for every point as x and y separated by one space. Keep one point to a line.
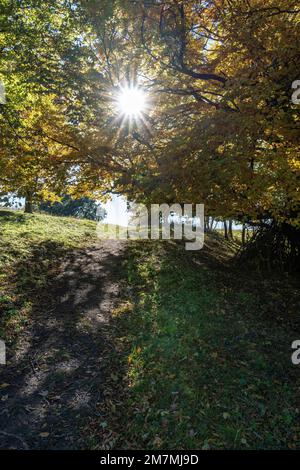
131 101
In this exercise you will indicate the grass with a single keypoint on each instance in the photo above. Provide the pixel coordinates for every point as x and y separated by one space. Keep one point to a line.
202 354
205 359
30 247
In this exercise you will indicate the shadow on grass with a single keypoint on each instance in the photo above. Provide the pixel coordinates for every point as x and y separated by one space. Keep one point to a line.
203 367
11 216
178 355
55 378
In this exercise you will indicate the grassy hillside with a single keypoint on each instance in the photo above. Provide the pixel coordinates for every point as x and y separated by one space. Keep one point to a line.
206 352
202 348
30 245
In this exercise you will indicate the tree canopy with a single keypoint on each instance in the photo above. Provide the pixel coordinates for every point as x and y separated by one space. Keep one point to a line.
220 128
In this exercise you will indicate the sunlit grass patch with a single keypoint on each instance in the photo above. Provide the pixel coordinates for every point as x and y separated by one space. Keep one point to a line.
30 247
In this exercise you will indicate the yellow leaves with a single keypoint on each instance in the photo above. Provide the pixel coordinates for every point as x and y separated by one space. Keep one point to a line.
294 162
135 357
47 195
157 442
4 385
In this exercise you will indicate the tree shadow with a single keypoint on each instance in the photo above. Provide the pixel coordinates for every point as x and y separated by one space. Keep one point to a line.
57 372
12 216
69 375
199 343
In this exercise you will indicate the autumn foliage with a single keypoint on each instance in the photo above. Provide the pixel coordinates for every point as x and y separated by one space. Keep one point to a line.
221 128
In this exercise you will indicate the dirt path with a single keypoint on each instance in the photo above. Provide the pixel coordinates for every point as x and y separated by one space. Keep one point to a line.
55 380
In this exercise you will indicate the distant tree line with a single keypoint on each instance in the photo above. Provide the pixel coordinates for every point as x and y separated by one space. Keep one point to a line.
83 208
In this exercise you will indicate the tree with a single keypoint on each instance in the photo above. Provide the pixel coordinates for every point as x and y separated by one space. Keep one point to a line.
83 208
224 131
46 68
221 128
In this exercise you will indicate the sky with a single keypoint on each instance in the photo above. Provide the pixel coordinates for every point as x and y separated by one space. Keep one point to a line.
116 211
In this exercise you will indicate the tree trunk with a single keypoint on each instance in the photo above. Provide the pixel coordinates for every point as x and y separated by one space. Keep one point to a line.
225 230
28 205
243 235
230 229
